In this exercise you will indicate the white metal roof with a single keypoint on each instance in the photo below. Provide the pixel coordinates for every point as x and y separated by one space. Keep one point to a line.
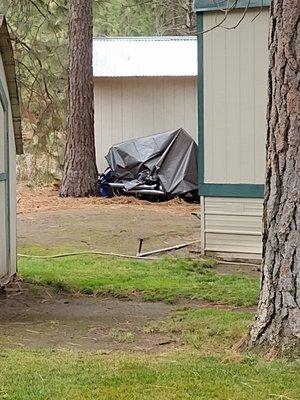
145 56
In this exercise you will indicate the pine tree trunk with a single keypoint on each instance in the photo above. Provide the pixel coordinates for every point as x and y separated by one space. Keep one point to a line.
190 22
277 324
80 171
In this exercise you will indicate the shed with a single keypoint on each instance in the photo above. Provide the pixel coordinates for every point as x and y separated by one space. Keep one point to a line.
232 99
143 85
10 145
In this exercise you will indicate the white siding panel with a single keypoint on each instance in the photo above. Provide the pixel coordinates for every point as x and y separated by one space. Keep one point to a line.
8 269
224 205
3 202
116 112
235 98
127 107
12 199
219 105
232 225
2 142
133 107
235 244
233 101
260 64
106 114
158 106
190 107
247 115
3 227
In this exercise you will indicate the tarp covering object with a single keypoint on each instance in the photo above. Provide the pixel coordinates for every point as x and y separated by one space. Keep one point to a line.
169 157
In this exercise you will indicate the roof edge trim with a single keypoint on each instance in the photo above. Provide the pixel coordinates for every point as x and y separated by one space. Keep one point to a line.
146 38
221 5
10 72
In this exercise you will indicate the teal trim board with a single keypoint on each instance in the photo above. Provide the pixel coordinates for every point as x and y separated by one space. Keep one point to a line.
231 190
206 188
221 5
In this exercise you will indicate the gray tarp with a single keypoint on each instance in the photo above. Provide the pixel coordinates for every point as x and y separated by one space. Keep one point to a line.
170 157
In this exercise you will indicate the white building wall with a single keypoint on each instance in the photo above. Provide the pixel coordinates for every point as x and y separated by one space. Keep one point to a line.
6 271
231 227
3 203
235 65
126 108
235 97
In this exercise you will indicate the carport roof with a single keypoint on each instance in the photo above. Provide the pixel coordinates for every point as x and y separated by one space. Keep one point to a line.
145 56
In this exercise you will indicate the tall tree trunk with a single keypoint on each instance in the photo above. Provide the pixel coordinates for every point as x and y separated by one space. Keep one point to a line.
80 171
190 17
277 324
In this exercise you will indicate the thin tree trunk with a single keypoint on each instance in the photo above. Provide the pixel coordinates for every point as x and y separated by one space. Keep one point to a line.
80 171
277 324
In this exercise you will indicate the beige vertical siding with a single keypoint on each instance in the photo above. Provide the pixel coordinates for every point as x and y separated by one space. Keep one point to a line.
6 271
232 227
133 107
235 97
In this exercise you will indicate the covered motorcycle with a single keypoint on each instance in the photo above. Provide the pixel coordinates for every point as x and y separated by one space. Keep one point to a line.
158 165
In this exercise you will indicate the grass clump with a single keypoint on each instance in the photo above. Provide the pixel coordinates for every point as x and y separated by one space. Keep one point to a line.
209 330
121 336
161 280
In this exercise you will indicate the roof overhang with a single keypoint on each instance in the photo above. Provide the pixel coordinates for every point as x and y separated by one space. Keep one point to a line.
10 72
221 5
154 56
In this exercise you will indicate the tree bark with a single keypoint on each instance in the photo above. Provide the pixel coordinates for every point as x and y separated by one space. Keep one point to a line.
190 21
277 323
80 171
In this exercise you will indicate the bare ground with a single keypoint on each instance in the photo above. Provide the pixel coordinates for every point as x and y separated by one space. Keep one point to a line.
39 318
112 225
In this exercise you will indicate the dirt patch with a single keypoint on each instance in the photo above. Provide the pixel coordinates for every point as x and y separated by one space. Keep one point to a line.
108 229
41 319
47 199
237 269
108 225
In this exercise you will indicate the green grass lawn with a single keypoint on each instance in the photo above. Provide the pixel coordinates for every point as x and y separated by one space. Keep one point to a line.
209 330
41 375
165 280
203 364
205 368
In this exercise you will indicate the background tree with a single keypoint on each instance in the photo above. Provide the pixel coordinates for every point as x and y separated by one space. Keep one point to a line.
40 39
39 36
277 323
80 171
